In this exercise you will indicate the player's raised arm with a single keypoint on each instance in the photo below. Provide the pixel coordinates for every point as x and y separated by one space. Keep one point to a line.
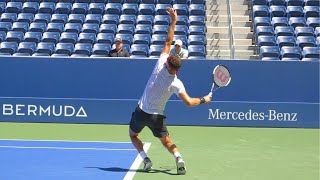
191 102
167 45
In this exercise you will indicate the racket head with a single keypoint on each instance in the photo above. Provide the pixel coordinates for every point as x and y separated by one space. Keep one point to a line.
221 76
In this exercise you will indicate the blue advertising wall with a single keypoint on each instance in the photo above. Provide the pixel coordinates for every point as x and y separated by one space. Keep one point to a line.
80 90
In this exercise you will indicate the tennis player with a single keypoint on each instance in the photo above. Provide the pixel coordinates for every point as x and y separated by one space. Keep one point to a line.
162 84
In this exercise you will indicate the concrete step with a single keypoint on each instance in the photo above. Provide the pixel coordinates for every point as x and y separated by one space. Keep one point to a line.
237 30
220 30
243 35
242 42
217 53
224 7
218 42
218 12
218 47
235 18
218 57
217 24
233 2
217 36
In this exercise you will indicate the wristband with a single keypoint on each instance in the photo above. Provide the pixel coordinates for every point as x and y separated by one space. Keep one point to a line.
202 100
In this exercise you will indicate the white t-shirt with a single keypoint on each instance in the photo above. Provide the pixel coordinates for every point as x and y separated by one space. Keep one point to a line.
182 53
161 85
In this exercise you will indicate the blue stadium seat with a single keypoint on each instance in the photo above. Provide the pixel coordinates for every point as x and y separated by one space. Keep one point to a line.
130 8
25 17
15 36
83 48
270 59
158 39
47 7
297 21
260 11
2 36
42 17
110 19
181 30
311 52
143 29
53 37
145 19
311 2
79 1
311 11
126 29
155 50
317 31
124 46
142 39
128 19
8 47
8 17
305 41
76 18
132 1
182 20
115 1
277 11
259 2
33 37
197 30
45 47
311 59
30 7
279 21
126 38
263 31
139 50
197 1
73 27
90 28
93 18
266 41
304 31
59 18
160 29
295 11
21 54
284 31
313 22
13 7
20 26
147 9
96 8
101 49
59 55
2 7
69 37
5 26
64 48
147 1
164 1
55 27
196 20
290 52
63 8
38 27
286 41
277 2
113 8
295 2
262 21
318 41
181 9
197 40
290 59
196 9
87 38
107 38
186 2
79 55
99 1
27 47
269 51
108 28
79 8
196 51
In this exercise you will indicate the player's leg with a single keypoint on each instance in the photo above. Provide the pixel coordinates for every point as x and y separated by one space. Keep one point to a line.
136 126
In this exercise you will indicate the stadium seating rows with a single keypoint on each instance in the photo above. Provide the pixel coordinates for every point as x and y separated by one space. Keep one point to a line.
287 29
88 27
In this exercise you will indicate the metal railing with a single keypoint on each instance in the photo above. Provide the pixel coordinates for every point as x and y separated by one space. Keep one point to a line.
230 30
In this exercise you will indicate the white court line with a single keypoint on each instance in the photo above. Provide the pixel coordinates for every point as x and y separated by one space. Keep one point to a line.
135 165
65 148
57 140
98 99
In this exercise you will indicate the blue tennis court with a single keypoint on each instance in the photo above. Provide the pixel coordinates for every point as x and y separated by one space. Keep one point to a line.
45 159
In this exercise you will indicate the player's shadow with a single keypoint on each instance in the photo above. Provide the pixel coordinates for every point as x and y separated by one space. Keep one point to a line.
119 169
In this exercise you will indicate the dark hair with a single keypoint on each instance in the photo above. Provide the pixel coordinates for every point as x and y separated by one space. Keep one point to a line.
174 61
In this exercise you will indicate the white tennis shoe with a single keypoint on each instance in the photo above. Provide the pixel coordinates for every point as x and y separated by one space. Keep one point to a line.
147 164
181 169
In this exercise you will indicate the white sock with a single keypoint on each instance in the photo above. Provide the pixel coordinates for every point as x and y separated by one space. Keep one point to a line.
143 154
177 154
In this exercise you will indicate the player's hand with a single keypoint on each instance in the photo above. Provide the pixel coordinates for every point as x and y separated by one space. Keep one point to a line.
207 99
172 13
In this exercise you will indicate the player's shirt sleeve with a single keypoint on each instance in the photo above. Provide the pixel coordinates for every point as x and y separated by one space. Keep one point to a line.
178 87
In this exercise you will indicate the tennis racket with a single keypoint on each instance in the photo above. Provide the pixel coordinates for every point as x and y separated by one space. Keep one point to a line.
221 77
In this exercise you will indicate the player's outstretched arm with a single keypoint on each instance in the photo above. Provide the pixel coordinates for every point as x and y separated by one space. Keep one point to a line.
191 102
173 14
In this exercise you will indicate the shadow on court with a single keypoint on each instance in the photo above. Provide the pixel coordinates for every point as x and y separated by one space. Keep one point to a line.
118 169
